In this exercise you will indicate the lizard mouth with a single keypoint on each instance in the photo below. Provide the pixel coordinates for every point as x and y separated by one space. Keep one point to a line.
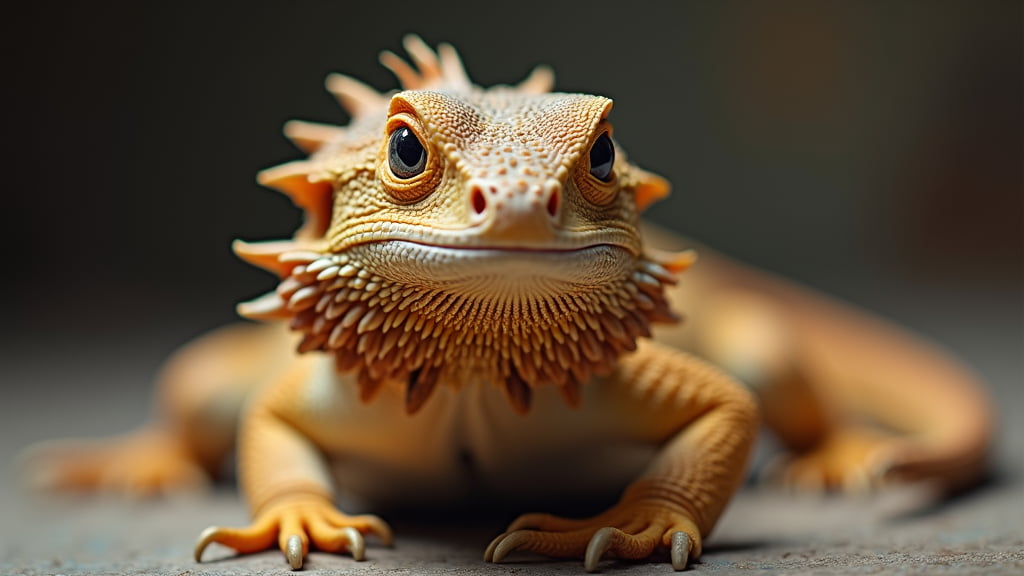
465 242
506 271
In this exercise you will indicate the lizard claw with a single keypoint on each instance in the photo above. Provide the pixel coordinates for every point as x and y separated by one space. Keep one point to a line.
681 548
489 552
605 538
205 537
356 543
293 551
504 545
599 544
252 539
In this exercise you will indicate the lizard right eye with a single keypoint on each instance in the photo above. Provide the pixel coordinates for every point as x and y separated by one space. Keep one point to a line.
602 158
406 156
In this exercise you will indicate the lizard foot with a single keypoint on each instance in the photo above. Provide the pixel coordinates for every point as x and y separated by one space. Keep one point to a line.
628 530
852 460
146 463
295 523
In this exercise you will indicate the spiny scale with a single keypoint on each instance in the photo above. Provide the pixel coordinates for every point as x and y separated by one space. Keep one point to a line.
390 333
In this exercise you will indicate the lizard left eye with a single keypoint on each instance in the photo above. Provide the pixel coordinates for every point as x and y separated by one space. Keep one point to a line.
406 156
602 158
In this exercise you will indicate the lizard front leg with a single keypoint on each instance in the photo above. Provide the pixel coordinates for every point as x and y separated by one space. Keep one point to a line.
287 485
705 423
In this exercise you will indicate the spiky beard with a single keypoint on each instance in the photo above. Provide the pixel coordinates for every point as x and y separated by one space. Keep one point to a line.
390 330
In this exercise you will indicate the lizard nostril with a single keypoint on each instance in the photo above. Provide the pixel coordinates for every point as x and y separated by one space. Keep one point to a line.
478 201
552 205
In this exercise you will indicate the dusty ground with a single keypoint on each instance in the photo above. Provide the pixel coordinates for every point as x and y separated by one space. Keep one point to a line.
764 530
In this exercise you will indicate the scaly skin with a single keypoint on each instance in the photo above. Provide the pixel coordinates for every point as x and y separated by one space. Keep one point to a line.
494 301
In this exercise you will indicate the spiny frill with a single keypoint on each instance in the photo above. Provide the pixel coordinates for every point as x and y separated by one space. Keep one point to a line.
418 336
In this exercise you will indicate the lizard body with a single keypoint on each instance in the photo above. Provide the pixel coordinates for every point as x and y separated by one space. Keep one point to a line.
471 286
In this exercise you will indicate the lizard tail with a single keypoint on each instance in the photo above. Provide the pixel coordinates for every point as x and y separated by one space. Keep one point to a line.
900 381
824 370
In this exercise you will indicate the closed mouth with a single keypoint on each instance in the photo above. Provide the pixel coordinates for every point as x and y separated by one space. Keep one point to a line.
415 263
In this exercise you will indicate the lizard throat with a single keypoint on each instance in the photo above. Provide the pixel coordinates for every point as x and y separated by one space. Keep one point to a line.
422 323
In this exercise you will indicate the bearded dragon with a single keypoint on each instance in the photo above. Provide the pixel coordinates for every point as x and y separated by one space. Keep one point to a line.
471 289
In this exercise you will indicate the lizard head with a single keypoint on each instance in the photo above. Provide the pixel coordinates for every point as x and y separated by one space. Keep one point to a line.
455 233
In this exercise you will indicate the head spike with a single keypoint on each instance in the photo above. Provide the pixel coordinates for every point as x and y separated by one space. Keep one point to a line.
674 262
406 74
429 69
451 66
424 58
540 81
649 187
311 136
313 196
269 306
356 97
267 255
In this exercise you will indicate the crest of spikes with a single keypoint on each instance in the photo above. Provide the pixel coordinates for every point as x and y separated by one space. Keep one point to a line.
387 331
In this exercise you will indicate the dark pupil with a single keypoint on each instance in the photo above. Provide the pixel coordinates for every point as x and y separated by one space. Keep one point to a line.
602 157
406 155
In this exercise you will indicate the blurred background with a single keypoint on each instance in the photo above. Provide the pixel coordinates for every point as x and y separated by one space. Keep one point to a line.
869 149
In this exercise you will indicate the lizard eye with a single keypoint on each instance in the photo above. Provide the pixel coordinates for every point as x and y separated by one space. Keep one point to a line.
406 155
602 158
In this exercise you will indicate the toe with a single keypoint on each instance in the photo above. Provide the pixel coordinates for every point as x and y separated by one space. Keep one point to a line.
336 538
260 536
356 544
292 540
546 522
508 543
489 552
365 524
369 524
556 544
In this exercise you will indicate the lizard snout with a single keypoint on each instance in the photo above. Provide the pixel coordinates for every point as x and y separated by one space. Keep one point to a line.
515 211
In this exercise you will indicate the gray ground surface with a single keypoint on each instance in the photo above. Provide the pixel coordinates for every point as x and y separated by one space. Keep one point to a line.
763 530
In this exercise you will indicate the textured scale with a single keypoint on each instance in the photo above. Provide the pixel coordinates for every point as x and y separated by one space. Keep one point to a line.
383 275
